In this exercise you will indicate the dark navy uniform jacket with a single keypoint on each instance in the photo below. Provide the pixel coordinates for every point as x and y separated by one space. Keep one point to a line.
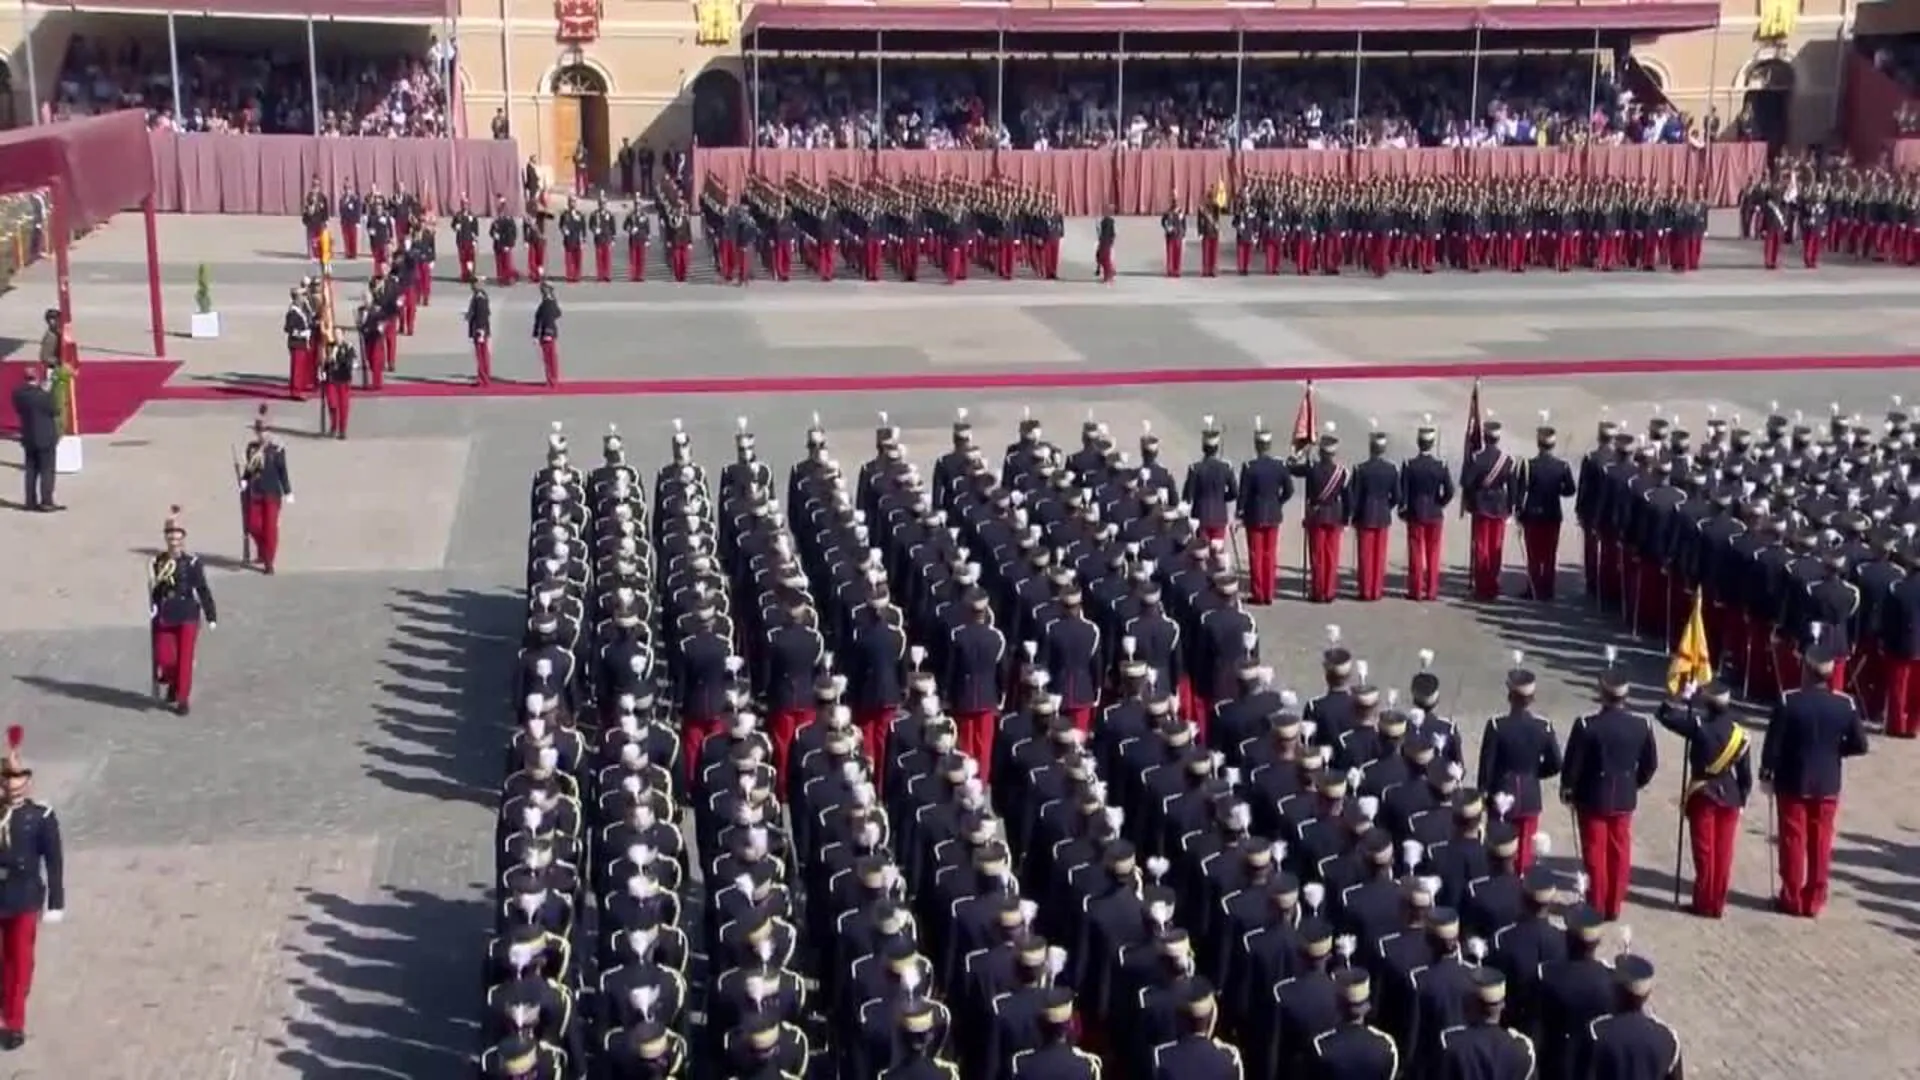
1547 483
1610 756
1426 489
1719 753
1070 651
178 592
1490 483
1517 752
1811 733
976 660
33 844
1209 489
1633 1046
1375 494
1265 489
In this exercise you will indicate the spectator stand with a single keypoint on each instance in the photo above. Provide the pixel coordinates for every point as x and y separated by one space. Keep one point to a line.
1008 81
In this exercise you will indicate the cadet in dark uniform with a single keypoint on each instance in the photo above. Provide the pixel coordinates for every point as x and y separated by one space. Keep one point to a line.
1489 488
523 1057
480 332
1056 1058
637 227
1356 1050
1266 486
177 599
1174 224
1719 780
352 209
1517 752
466 239
265 486
1325 486
1482 1049
573 238
336 387
1372 499
1426 490
505 233
1103 249
1546 482
32 886
1610 757
1196 1054
546 331
602 227
1209 488
1812 733
1633 1044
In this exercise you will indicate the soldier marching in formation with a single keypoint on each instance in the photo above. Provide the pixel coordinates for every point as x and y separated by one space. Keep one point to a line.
1869 215
466 240
178 599
505 233
1093 882
265 486
353 211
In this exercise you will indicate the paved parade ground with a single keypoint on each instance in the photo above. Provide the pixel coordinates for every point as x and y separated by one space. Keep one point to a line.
292 881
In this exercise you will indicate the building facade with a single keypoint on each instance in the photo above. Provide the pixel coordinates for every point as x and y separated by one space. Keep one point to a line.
596 72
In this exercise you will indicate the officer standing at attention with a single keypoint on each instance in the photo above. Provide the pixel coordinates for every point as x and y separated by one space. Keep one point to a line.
1546 482
573 238
546 331
602 225
1174 224
1103 249
1813 731
32 886
1481 1049
480 332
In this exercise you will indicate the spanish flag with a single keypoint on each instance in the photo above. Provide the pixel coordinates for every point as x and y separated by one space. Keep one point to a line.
1690 662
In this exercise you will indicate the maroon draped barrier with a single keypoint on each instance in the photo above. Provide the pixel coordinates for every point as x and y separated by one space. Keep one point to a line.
1871 101
1092 182
269 174
1904 153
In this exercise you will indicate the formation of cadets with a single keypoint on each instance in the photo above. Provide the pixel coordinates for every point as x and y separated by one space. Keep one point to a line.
918 225
1326 225
982 768
1868 215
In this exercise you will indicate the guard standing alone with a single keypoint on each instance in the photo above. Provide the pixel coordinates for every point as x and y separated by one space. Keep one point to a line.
546 331
177 599
264 487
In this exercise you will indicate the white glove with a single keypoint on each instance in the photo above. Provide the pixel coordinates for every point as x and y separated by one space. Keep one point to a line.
54 916
288 500
213 626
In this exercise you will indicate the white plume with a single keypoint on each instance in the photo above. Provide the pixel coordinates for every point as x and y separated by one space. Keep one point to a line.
1612 654
1333 633
1369 807
1519 657
1345 945
1313 894
1542 845
1411 852
1477 948
1503 803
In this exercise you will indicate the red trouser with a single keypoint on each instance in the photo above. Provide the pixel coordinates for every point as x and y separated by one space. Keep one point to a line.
350 232
784 725
693 734
1263 563
376 360
636 260
603 260
1212 533
503 271
1323 561
581 181
876 724
260 516
338 397
1488 547
468 271
313 240
390 355
1712 830
1806 851
1103 260
1082 717
550 360
173 657
1542 542
1606 853
1524 827
1243 255
18 936
678 261
1423 560
1903 697
1209 256
483 361
1175 247
570 258
536 261
1370 558
1770 250
974 738
409 309
301 372
423 283
379 259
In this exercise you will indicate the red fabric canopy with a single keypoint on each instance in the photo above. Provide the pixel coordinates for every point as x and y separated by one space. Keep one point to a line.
101 165
384 10
1654 16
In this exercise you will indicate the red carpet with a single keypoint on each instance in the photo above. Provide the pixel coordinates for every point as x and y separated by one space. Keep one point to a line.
1088 378
111 391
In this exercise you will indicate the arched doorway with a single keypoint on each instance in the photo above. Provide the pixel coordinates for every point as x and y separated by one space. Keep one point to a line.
579 117
1768 105
719 109
7 112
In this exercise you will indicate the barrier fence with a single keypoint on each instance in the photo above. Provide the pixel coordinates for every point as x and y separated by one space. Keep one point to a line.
271 174
1091 182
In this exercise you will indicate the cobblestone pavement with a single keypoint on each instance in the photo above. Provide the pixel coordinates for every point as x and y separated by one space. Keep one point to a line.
292 881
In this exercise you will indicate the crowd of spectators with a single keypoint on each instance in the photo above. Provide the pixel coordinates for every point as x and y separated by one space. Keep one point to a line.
255 90
1304 104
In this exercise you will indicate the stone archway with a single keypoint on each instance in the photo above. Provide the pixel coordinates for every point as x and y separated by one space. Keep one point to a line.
579 93
1767 105
719 109
8 113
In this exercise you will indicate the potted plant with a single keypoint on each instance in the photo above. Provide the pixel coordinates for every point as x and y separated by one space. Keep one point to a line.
206 321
